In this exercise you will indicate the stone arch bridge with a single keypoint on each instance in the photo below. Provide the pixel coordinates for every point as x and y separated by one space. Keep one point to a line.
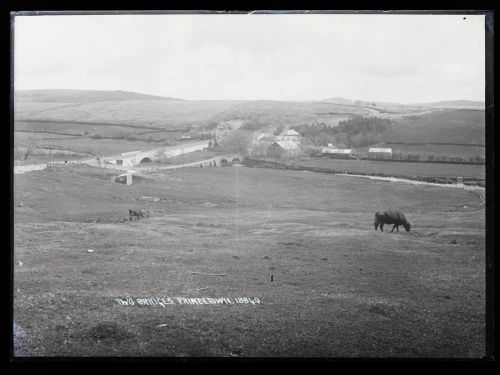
226 160
142 158
130 159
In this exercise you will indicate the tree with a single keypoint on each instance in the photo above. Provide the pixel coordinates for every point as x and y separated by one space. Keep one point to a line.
238 141
24 149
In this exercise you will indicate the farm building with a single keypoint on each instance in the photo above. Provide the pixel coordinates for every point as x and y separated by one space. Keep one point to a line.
337 153
125 178
260 138
283 150
379 153
260 143
264 139
289 135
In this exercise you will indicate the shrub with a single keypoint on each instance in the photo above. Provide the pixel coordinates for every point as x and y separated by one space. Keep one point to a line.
412 157
131 137
311 150
397 155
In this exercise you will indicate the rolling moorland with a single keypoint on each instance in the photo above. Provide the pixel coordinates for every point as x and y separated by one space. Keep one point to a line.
100 122
156 113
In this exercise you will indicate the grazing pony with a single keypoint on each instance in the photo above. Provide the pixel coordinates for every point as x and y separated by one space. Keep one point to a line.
138 214
391 217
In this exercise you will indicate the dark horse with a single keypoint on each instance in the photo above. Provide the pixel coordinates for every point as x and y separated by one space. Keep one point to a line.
391 217
138 214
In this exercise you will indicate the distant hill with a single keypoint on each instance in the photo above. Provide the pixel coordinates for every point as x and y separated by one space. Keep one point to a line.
115 107
81 96
339 100
469 104
457 121
129 108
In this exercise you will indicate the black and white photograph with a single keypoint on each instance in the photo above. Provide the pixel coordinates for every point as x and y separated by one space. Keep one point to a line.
244 185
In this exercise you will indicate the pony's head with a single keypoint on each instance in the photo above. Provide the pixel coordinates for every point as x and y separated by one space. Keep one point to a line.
407 225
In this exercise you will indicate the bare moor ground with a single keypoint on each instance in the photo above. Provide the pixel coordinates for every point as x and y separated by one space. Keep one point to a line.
339 289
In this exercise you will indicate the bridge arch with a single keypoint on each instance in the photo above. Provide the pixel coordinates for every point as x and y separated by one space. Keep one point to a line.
224 162
147 159
236 160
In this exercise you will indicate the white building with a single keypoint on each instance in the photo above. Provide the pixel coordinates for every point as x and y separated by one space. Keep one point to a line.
341 153
379 153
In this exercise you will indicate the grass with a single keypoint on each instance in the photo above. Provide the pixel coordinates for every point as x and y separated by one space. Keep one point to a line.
445 125
339 288
98 146
162 113
464 152
408 169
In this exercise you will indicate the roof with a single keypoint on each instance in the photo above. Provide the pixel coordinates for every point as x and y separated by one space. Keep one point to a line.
376 149
329 150
290 132
265 135
287 145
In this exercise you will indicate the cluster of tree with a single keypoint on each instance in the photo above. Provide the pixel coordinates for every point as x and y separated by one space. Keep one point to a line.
238 142
359 124
254 124
355 132
279 129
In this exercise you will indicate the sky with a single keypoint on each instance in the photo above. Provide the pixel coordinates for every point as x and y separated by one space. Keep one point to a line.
392 58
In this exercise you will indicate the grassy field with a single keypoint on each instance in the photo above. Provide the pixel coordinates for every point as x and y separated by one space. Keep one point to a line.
408 169
42 130
115 107
339 288
464 152
90 146
445 125
426 151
